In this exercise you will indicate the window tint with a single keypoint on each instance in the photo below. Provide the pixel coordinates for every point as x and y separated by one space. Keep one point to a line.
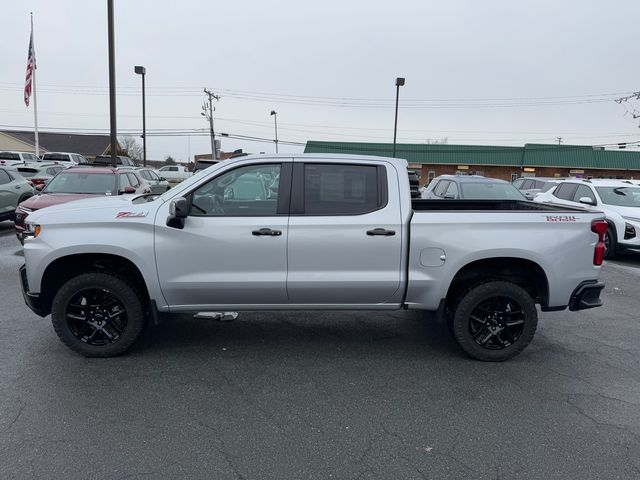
583 191
153 175
27 172
133 179
4 177
124 181
146 174
9 156
52 170
538 184
452 190
31 157
250 190
441 187
527 184
565 191
57 157
340 189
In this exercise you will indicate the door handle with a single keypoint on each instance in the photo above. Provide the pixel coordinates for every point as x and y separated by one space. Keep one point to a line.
381 232
267 231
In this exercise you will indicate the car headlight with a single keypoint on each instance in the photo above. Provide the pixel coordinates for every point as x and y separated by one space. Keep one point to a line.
32 230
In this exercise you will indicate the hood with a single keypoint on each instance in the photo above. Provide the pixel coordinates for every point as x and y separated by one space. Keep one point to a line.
93 203
49 199
633 212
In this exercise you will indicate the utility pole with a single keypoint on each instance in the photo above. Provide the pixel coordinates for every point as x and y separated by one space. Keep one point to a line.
112 86
207 112
559 140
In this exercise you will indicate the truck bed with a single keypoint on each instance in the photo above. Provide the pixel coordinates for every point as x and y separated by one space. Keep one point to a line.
488 205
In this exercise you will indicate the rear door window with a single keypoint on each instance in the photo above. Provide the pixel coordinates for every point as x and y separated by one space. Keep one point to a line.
4 178
339 189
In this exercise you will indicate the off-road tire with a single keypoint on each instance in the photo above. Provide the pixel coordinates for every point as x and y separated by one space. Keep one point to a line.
117 287
476 296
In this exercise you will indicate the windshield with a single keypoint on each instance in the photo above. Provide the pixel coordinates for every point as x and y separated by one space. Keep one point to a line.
490 191
81 182
620 196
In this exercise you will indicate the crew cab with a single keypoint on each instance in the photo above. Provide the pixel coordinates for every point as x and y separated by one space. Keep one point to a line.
323 232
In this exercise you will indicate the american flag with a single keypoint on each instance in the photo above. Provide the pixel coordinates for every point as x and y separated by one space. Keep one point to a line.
31 66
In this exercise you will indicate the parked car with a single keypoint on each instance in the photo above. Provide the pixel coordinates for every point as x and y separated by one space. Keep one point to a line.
14 188
76 183
105 161
157 183
175 173
530 187
414 184
39 173
341 233
619 200
14 158
65 158
471 187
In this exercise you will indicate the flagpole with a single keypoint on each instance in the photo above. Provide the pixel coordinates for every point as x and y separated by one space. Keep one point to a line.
35 101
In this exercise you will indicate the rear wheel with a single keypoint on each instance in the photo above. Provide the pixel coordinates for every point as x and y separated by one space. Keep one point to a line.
495 321
97 315
610 248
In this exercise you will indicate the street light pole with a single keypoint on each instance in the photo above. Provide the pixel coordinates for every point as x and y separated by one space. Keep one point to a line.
140 70
112 86
399 83
275 119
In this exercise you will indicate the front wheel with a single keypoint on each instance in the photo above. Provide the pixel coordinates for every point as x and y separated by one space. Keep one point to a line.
609 244
495 321
97 315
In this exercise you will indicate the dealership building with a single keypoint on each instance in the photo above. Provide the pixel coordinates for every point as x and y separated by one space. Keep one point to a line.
507 163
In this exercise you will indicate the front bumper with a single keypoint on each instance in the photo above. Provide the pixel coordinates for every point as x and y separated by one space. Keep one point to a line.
586 295
32 300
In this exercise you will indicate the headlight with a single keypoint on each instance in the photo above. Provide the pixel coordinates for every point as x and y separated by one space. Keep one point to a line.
629 231
32 230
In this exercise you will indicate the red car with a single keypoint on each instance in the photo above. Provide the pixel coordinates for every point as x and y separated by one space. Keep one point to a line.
80 182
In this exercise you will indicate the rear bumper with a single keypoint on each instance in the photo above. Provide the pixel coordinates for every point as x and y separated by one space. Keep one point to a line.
31 299
586 295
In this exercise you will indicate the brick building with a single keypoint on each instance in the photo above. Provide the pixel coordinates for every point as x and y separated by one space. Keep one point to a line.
507 163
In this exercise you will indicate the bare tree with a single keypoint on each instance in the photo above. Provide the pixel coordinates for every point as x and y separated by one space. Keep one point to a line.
131 147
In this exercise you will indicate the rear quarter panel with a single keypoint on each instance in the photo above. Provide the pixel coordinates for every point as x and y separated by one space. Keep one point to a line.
563 249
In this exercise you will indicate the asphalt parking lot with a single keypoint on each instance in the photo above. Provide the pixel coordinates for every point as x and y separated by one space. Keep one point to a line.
323 395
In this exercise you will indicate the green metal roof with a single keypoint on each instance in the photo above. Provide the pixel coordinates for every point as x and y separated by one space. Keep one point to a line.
531 155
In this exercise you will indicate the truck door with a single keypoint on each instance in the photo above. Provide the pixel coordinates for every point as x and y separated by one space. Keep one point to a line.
345 234
233 246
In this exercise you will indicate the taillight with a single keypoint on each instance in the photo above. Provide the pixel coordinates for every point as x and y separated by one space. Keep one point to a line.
37 181
599 227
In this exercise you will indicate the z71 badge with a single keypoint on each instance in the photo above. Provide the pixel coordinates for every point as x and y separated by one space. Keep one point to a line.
561 218
131 214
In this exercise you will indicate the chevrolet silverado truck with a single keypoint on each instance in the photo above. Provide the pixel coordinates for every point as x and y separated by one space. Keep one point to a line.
308 232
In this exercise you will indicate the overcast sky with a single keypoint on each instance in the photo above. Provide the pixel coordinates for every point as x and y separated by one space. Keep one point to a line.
477 72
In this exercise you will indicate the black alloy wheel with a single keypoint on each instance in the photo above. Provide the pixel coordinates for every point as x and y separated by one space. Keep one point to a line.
494 321
98 314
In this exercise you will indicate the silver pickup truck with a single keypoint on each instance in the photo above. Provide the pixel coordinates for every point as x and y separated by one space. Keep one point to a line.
308 232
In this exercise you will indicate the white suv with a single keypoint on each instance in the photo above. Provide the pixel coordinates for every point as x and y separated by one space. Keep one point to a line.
618 199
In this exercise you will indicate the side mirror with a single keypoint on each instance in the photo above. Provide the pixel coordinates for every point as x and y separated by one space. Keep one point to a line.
163 179
586 201
177 213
